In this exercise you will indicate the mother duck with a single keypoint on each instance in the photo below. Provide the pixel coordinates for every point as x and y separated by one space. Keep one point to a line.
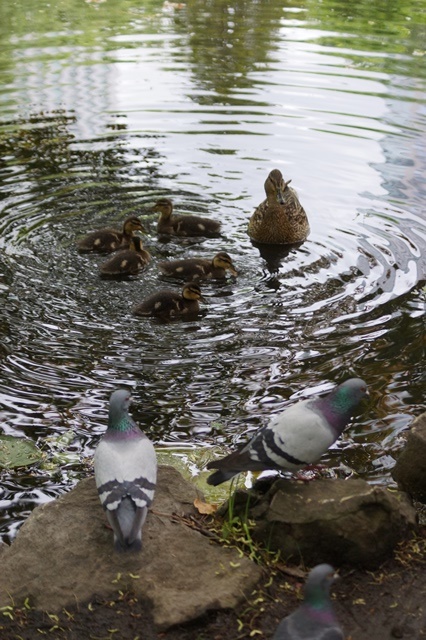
280 219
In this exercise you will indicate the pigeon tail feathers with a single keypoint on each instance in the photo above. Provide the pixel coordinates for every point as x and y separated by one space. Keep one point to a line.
260 454
127 522
234 463
220 476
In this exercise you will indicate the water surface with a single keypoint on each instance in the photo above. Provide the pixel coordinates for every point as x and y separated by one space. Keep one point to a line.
104 107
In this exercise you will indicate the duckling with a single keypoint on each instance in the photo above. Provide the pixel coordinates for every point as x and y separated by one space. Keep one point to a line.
186 225
280 219
168 304
198 268
127 262
109 240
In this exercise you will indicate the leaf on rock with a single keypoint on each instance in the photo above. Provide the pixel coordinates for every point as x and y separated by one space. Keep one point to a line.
204 507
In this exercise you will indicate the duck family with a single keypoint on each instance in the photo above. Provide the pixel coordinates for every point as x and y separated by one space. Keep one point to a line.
280 219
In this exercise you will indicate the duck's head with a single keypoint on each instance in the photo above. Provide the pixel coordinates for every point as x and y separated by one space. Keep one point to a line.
133 224
275 186
164 206
191 291
223 260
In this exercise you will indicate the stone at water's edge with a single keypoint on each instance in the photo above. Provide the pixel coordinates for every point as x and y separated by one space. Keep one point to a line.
410 468
337 521
63 555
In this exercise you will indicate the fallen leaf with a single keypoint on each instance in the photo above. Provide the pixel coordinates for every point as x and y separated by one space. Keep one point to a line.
204 507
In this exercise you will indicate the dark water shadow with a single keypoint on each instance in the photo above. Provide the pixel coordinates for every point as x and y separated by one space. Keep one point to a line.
274 254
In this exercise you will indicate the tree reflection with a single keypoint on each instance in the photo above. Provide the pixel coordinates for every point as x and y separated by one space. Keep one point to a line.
228 40
54 174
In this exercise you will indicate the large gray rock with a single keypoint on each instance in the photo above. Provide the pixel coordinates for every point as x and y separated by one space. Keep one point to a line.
336 521
410 468
63 554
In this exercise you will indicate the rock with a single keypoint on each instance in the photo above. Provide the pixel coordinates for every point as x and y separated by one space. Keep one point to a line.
64 554
410 469
335 521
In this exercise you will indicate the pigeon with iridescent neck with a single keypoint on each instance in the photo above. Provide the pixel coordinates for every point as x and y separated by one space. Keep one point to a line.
125 473
297 437
314 619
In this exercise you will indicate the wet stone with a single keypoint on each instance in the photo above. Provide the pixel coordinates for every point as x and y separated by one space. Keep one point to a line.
410 468
343 522
63 555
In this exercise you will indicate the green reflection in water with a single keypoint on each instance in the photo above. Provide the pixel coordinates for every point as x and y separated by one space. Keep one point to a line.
229 49
224 41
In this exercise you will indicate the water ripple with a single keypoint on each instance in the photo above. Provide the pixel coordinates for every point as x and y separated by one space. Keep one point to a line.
338 111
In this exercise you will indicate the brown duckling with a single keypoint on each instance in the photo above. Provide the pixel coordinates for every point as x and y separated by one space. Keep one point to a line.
109 240
127 262
198 268
186 225
167 304
280 219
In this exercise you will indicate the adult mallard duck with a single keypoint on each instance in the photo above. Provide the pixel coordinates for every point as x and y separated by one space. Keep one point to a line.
109 240
280 219
168 304
198 268
127 262
186 226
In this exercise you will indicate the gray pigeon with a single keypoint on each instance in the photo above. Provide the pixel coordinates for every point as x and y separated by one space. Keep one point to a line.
314 619
297 437
125 474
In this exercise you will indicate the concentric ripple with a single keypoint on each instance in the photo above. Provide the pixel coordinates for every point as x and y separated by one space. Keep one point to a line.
214 108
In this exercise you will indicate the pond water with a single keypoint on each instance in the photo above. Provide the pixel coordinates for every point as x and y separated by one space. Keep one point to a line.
104 107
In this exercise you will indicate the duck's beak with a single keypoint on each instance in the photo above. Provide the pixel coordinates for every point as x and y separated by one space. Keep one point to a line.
280 197
280 192
233 271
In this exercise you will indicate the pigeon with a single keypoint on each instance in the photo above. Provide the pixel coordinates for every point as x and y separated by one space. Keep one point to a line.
125 474
314 619
297 437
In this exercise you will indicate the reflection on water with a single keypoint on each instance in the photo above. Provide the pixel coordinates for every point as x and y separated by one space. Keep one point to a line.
106 107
